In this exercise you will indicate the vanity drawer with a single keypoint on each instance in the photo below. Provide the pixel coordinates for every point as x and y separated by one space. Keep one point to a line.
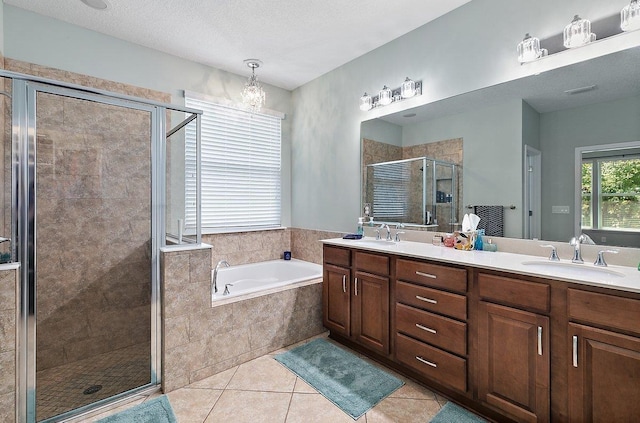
445 277
442 332
602 309
514 292
372 263
431 362
442 302
337 256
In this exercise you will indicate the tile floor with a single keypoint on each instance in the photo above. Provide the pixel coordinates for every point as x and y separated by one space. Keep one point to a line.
262 390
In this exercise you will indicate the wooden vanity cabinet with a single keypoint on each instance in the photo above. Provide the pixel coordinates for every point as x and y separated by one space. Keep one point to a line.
513 347
430 329
604 373
356 297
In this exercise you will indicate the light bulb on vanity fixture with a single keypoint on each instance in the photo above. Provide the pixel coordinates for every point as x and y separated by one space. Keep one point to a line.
630 16
529 49
385 96
253 96
365 102
408 88
578 33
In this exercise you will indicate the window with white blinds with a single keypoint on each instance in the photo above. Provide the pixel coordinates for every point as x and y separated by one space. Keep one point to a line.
241 170
390 191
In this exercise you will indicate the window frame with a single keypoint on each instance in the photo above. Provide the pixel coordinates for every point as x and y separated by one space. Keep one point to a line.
209 227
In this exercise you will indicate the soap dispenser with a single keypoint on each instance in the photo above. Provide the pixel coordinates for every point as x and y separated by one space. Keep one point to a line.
360 230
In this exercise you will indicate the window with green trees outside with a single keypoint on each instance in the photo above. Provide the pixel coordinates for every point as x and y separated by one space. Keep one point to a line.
611 193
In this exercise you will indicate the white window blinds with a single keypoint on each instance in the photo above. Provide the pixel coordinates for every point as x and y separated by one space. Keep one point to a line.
390 192
241 172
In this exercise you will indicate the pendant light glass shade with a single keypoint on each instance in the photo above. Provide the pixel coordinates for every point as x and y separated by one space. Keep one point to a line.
630 16
578 33
366 102
385 96
253 96
529 49
408 88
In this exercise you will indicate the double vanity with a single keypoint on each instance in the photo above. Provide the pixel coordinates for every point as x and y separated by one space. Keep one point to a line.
510 336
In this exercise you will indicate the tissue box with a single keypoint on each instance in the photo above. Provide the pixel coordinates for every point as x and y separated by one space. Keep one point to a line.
465 240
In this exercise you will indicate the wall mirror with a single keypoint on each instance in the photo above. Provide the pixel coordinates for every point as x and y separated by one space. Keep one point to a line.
518 142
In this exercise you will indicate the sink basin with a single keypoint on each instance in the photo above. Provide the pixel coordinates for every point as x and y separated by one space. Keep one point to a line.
375 243
572 269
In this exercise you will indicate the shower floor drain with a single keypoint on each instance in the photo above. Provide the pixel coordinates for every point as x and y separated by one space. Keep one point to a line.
92 389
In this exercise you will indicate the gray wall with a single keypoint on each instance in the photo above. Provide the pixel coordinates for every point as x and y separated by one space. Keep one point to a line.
560 133
470 48
381 131
37 39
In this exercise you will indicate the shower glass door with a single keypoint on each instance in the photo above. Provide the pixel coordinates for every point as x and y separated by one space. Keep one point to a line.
89 250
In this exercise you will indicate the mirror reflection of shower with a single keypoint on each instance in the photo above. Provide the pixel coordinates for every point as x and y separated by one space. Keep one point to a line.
419 192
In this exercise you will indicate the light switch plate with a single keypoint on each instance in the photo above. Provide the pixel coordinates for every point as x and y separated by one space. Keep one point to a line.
560 209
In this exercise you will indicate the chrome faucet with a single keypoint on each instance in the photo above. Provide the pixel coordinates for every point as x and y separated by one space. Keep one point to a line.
214 282
577 242
600 260
226 289
398 231
554 253
384 226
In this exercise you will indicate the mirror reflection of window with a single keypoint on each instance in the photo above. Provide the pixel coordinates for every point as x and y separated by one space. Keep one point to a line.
611 190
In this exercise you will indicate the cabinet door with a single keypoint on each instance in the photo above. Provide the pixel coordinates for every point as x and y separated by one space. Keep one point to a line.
513 362
371 311
335 299
604 376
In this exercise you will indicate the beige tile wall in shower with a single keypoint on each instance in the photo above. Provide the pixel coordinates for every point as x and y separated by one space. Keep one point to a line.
94 211
8 297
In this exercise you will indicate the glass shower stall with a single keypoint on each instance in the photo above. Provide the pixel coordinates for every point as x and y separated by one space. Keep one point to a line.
419 192
85 204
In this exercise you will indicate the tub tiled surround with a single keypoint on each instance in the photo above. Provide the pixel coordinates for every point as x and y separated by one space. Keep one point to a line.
200 340
252 247
9 285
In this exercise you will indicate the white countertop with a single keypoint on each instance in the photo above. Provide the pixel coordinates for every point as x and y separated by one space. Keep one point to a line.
615 277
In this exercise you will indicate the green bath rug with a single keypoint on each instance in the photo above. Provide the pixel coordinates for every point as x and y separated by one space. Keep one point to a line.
349 382
157 410
452 413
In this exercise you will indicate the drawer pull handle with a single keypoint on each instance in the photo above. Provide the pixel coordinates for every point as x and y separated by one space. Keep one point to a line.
426 275
344 283
356 287
575 351
539 340
428 363
419 326
427 300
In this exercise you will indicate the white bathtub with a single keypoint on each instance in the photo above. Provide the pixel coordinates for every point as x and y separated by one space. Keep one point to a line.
256 277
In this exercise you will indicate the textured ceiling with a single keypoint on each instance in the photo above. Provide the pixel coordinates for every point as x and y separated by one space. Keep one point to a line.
297 41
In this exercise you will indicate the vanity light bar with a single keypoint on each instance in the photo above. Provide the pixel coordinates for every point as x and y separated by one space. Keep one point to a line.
388 96
578 33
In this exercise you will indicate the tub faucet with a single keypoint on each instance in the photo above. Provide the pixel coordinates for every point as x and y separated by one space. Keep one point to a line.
214 282
577 242
226 289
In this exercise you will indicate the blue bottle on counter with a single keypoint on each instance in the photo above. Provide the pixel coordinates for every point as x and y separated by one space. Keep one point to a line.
360 230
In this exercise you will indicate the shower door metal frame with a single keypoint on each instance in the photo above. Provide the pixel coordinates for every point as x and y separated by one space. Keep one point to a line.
24 229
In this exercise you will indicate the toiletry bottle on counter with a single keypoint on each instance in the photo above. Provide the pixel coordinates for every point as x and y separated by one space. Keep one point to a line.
489 246
360 230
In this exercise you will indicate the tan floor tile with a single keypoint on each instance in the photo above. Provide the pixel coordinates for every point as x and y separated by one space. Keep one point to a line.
314 408
250 407
263 374
193 405
412 390
392 410
217 381
304 387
